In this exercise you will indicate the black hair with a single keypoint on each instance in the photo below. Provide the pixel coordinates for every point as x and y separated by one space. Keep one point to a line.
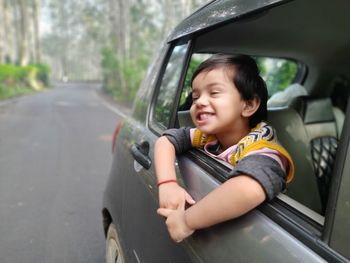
246 78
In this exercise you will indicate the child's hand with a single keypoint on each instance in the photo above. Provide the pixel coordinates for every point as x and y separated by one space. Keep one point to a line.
176 223
172 196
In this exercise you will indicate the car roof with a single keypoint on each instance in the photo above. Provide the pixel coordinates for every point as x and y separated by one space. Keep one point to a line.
313 32
217 12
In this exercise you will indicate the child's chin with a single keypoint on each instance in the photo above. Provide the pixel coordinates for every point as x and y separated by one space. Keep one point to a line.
205 130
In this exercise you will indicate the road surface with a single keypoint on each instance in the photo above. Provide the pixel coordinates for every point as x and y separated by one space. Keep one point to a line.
55 156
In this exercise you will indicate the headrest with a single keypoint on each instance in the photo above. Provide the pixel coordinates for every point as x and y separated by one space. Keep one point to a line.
283 98
313 110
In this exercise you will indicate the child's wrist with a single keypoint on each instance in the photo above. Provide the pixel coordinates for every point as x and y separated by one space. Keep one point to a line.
186 221
166 182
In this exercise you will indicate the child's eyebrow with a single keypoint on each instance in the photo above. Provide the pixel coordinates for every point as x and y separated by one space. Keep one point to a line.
217 83
214 85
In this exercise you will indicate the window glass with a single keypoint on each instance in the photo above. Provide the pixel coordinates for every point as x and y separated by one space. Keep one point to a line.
168 88
278 74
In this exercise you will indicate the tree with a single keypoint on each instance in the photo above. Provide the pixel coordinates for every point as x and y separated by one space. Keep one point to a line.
36 27
23 32
19 31
122 34
7 40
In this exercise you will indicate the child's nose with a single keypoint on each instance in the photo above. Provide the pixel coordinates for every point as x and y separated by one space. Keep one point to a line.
201 100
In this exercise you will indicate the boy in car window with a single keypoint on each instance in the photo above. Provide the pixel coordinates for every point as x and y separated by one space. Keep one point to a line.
229 108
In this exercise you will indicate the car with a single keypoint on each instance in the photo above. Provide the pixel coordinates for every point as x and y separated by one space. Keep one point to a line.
303 52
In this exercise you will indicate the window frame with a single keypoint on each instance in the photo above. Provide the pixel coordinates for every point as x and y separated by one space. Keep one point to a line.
340 173
152 123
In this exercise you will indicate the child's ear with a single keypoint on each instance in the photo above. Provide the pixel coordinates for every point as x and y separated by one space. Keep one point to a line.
250 107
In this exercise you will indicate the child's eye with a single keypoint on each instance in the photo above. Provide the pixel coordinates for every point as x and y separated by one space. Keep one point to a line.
215 93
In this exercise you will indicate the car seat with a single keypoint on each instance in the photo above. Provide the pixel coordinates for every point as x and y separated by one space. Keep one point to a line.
292 135
323 124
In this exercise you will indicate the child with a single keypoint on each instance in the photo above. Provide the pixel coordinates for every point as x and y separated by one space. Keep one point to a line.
229 105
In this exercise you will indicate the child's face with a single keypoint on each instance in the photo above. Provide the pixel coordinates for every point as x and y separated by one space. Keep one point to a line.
217 105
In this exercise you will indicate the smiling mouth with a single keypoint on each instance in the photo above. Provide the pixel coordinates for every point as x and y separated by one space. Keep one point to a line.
204 116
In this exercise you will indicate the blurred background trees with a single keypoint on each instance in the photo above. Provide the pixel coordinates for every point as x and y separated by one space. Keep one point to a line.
91 40
19 33
21 70
108 40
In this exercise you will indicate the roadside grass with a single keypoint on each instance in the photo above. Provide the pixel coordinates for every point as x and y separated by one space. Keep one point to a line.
19 80
9 92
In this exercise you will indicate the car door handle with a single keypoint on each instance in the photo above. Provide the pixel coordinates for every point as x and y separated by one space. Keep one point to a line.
140 153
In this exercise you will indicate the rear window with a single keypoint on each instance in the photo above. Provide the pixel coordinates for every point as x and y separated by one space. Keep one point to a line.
278 74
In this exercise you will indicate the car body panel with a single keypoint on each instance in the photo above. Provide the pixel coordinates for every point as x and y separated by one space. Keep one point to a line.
271 233
230 241
141 236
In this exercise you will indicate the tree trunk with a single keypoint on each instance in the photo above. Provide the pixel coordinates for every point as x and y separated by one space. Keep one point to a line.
64 33
9 46
23 52
36 27
118 36
2 41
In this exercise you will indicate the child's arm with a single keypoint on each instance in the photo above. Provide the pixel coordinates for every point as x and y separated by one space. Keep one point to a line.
232 199
171 195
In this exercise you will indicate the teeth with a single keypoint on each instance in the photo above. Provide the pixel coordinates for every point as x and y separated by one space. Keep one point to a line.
204 116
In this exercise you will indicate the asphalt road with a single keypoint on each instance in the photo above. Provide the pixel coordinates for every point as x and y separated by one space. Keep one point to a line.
55 156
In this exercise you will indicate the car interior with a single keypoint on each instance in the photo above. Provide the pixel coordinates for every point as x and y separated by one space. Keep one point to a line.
308 123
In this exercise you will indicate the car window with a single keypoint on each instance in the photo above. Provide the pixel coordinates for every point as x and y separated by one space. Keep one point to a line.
164 102
303 206
278 73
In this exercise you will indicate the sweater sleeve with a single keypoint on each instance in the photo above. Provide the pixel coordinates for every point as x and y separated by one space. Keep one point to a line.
180 138
265 171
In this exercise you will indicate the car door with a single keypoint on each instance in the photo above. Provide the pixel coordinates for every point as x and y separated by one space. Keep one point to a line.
147 239
281 225
255 236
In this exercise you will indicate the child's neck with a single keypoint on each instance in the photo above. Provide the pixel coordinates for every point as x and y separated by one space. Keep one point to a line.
228 139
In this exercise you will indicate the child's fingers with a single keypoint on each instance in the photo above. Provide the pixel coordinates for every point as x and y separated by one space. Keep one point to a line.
182 205
189 199
164 211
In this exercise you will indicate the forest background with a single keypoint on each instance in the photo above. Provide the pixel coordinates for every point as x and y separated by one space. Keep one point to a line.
111 41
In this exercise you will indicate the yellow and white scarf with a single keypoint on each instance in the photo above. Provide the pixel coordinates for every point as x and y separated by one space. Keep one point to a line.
261 136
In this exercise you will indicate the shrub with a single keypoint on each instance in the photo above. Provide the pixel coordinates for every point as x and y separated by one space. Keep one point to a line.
43 73
18 80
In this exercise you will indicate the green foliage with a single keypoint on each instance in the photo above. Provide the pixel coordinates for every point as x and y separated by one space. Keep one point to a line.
16 80
277 73
191 69
109 65
121 79
7 92
43 73
187 84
